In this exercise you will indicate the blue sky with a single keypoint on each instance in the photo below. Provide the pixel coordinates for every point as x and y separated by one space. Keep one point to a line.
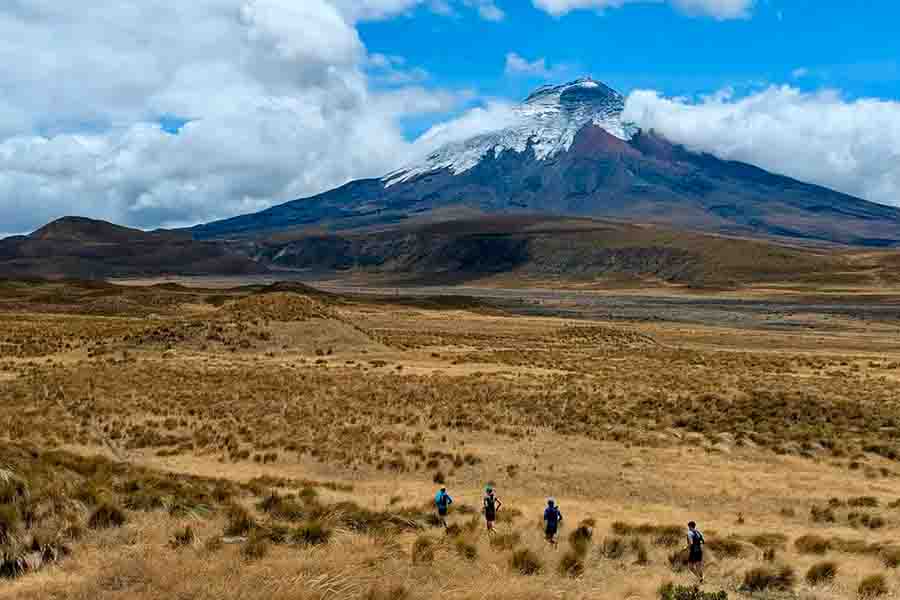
810 44
157 113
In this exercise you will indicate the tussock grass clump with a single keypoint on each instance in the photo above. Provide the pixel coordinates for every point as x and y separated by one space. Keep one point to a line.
765 541
670 591
823 572
423 550
282 507
311 534
662 535
239 521
863 502
872 586
613 548
678 560
890 557
580 539
466 550
822 515
526 562
506 541
571 564
812 544
762 579
106 516
183 537
394 592
256 547
10 522
727 547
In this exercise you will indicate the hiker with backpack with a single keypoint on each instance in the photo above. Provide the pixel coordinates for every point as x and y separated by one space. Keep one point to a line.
552 518
442 502
491 506
695 550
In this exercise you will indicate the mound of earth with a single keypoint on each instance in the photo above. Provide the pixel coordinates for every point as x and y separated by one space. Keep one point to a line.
279 306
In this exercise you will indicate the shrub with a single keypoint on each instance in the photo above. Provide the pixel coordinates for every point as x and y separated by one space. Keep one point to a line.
183 537
311 534
571 564
580 540
612 548
105 516
768 540
823 572
439 477
822 515
765 578
729 548
466 550
506 541
872 586
668 535
526 562
863 502
770 554
423 550
454 530
670 591
256 547
678 560
812 544
890 557
239 521
396 592
281 507
9 522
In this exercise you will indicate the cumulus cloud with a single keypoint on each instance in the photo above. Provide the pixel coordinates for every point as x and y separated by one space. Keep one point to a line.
850 146
516 65
280 100
718 9
494 116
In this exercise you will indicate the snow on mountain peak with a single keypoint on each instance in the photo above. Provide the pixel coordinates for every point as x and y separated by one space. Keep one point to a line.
547 121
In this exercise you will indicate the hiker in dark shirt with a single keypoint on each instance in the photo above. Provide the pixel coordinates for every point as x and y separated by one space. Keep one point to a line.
552 518
695 550
491 506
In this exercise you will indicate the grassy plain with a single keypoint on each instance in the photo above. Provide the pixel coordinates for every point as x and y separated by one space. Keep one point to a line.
277 442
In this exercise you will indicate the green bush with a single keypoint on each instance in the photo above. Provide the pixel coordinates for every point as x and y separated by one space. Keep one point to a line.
872 586
526 562
105 516
761 579
823 572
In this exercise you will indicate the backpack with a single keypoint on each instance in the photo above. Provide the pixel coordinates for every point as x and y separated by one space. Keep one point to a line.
696 539
441 499
490 503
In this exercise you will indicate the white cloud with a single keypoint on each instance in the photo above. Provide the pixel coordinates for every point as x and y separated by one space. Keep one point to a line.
516 65
278 95
850 146
494 116
718 9
487 9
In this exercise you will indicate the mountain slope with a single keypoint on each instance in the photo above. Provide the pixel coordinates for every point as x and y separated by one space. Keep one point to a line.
76 247
567 151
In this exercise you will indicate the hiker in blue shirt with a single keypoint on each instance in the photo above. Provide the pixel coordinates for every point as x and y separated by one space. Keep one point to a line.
442 501
552 519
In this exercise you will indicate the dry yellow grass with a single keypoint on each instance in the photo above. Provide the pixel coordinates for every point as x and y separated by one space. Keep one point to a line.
746 432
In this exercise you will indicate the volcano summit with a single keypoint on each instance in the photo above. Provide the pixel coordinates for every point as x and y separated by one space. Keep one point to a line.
566 150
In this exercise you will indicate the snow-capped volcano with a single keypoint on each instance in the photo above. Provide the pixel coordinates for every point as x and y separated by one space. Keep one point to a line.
565 150
548 120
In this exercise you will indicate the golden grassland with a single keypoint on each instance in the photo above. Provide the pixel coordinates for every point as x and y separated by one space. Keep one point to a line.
274 442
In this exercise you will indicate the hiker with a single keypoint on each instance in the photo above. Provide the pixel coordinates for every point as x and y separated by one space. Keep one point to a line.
442 501
695 550
491 507
552 519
